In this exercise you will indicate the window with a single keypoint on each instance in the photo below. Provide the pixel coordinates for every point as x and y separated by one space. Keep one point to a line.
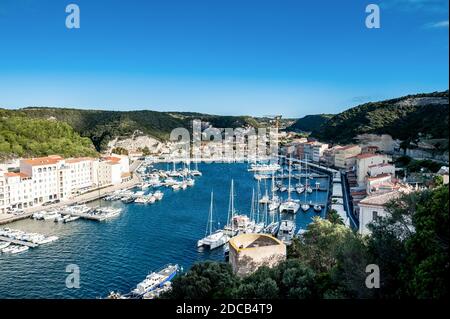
375 215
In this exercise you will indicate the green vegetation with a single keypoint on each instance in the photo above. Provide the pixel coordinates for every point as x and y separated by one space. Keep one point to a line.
22 136
334 217
414 166
401 118
310 123
103 126
410 246
119 151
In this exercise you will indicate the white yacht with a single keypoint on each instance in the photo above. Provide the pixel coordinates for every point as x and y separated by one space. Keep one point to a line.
286 231
71 219
264 167
212 239
158 195
190 182
305 207
156 279
52 215
15 249
38 215
170 181
48 240
4 244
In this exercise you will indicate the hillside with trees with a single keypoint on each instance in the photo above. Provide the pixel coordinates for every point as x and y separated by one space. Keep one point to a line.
23 137
405 118
102 126
310 123
410 246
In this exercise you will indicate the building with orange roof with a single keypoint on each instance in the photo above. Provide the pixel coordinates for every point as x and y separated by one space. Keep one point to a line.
345 156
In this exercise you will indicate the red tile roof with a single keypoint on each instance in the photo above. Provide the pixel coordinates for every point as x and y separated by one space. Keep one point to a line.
49 160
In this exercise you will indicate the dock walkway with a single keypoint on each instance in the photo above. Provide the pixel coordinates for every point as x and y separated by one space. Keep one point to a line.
18 242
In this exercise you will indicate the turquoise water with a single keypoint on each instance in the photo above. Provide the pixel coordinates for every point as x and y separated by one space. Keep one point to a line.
117 254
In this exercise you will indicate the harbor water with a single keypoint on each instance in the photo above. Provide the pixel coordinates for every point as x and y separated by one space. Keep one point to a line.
117 254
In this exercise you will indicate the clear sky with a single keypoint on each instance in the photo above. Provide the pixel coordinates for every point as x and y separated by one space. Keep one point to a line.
250 57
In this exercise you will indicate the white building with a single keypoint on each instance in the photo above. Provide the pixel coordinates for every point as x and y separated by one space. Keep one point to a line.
51 178
379 169
317 151
374 206
345 157
367 160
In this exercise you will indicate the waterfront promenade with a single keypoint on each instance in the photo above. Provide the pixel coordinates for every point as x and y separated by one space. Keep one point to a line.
83 198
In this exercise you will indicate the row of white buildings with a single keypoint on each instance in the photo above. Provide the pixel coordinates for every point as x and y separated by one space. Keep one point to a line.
47 179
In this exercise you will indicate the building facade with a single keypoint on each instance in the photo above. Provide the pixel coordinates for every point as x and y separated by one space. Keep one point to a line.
345 157
46 179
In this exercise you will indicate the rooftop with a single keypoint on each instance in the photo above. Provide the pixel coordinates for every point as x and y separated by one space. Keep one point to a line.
250 241
49 160
367 155
381 199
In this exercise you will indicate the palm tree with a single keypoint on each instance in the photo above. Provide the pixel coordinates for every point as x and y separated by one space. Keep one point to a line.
334 217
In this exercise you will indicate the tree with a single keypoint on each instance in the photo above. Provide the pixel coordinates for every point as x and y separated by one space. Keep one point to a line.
204 281
334 217
410 245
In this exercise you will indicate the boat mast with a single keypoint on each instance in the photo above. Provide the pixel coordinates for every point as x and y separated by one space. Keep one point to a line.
306 176
211 212
257 201
252 209
230 205
289 181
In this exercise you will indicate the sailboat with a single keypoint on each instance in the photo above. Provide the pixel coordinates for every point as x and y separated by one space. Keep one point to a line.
289 205
317 207
305 206
237 223
275 200
265 199
196 172
212 240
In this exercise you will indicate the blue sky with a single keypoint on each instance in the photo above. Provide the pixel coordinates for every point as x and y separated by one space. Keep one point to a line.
222 57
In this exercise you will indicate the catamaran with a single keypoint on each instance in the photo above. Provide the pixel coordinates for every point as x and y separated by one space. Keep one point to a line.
290 205
212 239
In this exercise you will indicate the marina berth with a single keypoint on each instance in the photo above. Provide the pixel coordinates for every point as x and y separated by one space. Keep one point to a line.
14 241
